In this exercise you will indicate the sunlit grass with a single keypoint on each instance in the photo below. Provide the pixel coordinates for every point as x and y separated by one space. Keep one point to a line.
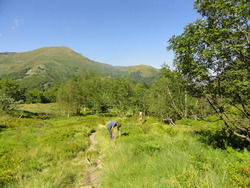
47 108
157 155
44 153
51 153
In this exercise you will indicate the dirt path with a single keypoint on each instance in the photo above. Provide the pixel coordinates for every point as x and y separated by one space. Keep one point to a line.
93 171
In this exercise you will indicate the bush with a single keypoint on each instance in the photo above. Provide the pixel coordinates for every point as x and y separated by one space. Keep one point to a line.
189 122
219 139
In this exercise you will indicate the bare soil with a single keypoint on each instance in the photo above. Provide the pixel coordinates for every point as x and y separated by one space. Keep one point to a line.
91 178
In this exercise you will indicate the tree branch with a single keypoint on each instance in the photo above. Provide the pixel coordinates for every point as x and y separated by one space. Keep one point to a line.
240 135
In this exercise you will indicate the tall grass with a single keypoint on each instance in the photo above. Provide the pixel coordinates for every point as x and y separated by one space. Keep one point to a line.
44 153
157 155
51 153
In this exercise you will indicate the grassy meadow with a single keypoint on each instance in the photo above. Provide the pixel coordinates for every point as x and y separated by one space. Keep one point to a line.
43 153
158 155
52 152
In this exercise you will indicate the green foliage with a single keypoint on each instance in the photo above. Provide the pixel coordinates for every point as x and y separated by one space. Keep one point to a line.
33 96
140 97
166 98
213 133
10 94
69 96
121 93
213 55
205 124
221 139
49 96
169 99
95 93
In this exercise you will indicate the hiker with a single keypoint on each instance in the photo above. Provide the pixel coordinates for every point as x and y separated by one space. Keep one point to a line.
111 127
140 117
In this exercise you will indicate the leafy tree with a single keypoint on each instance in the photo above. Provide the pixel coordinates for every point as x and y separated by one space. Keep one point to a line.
33 96
159 102
140 99
90 91
10 93
11 88
84 91
77 93
66 98
213 55
50 94
103 94
121 93
168 98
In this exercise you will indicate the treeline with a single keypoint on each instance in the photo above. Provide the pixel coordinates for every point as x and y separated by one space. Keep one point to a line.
166 98
170 97
13 92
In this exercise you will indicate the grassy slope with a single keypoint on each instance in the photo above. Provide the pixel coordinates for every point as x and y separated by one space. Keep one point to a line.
51 153
157 155
145 70
56 64
50 55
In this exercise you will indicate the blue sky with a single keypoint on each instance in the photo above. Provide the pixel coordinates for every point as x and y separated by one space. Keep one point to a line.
116 32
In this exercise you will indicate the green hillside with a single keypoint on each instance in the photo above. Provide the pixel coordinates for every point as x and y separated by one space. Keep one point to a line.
54 65
141 71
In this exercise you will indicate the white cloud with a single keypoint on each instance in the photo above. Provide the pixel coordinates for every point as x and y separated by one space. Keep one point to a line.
16 23
1 34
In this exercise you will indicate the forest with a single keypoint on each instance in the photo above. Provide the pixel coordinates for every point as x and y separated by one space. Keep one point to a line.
200 110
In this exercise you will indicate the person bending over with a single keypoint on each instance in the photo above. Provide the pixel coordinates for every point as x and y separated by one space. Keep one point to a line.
111 128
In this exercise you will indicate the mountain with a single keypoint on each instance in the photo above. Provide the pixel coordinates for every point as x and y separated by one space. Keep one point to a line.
48 66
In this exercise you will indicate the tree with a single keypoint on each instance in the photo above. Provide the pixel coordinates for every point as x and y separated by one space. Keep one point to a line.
64 98
103 101
169 97
50 94
140 99
121 93
10 93
213 55
159 101
33 96
84 91
91 87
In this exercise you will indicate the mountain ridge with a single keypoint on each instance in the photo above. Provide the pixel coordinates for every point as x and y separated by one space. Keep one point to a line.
56 64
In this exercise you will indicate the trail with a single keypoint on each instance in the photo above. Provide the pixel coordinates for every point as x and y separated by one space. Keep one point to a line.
91 178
